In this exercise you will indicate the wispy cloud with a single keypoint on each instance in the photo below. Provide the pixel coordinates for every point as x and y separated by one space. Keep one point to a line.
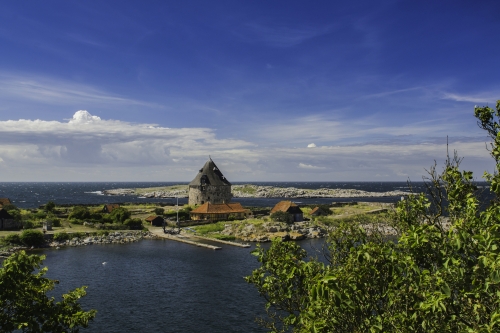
485 97
52 91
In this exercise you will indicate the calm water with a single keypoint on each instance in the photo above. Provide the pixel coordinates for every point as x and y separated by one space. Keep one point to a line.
163 286
32 195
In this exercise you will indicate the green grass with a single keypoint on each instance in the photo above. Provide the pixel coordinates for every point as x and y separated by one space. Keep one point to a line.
209 228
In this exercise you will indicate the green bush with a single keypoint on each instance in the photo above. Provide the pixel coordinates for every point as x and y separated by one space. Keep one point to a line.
102 233
80 213
49 206
32 238
133 224
78 235
120 215
28 225
61 236
55 222
159 211
12 239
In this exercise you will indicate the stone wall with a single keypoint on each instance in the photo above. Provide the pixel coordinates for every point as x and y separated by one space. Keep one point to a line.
198 195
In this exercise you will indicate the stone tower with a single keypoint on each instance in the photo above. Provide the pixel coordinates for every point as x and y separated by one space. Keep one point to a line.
209 185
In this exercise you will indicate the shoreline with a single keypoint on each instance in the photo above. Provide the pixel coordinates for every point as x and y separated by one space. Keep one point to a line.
256 191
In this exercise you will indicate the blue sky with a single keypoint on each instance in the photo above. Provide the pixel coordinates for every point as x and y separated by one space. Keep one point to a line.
272 90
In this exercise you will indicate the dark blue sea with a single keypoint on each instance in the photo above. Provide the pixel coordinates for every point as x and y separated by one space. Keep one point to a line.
32 195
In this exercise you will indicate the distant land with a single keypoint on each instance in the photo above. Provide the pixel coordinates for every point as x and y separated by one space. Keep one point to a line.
256 191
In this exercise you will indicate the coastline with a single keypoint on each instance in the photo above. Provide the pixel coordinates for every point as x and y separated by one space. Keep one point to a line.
256 191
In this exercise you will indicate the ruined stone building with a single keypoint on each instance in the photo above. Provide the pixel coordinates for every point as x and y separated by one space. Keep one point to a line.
209 185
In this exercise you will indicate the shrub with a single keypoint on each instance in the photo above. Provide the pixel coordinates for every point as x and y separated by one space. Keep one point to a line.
61 236
102 233
133 224
12 239
55 222
32 238
80 213
49 206
28 225
119 215
159 211
78 235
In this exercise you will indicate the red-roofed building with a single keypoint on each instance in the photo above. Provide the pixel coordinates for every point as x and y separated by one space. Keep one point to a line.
108 208
291 208
217 212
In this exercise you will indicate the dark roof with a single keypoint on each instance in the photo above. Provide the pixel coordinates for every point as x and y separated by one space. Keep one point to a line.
318 211
286 206
208 208
5 215
210 175
110 207
5 201
153 217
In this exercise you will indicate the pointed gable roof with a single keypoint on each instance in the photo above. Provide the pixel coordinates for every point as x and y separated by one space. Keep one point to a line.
210 175
286 206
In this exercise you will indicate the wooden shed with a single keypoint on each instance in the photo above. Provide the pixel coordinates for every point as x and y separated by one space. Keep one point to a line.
291 208
155 220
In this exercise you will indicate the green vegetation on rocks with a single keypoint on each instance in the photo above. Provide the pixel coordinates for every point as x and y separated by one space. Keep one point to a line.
432 279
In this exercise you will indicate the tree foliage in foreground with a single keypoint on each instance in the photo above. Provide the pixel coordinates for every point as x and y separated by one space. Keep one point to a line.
435 278
24 305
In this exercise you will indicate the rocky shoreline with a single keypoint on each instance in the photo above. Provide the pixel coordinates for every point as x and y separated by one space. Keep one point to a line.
270 230
257 191
117 237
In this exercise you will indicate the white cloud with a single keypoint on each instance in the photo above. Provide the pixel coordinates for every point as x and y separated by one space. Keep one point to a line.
309 166
87 147
311 145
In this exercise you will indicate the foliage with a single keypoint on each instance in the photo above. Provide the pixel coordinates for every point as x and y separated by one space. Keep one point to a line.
435 278
29 225
55 222
32 238
80 213
133 224
280 216
13 211
119 215
13 239
159 211
24 305
49 206
61 236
